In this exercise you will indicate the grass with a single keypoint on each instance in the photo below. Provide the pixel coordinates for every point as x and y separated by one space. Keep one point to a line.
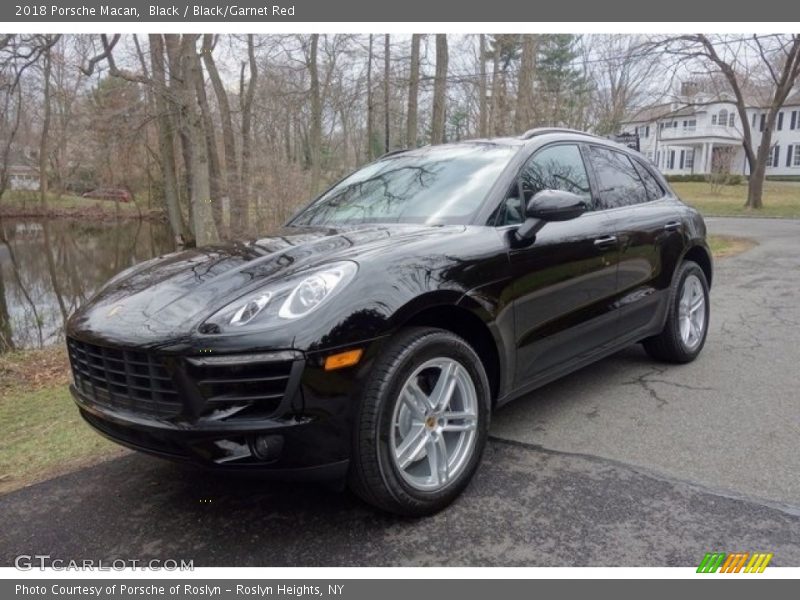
723 246
781 199
41 432
28 204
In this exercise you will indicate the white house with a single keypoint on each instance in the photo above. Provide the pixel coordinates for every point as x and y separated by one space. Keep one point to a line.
703 132
23 177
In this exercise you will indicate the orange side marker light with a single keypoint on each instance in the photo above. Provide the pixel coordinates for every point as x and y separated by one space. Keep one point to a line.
343 359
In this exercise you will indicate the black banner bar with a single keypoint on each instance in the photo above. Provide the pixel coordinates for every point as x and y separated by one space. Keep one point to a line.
465 11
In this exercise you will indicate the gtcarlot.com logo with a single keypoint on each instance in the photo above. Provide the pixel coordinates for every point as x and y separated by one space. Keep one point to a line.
28 562
735 562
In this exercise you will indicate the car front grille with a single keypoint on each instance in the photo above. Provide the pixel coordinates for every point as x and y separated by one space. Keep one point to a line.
251 387
123 379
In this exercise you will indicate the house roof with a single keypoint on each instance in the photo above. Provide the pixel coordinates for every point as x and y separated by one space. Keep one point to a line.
659 111
753 98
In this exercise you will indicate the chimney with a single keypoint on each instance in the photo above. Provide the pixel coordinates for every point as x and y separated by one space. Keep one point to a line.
689 88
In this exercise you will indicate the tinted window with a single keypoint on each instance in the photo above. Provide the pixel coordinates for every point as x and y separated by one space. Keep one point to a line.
443 184
553 168
654 190
618 181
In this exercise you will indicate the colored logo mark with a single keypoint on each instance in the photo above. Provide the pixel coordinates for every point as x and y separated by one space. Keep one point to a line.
735 562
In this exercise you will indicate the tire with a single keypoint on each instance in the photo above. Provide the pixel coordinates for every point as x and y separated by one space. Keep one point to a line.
385 421
672 344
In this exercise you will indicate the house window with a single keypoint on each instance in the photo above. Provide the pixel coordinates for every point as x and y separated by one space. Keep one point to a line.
731 120
794 119
690 125
774 156
754 119
763 122
713 119
689 162
780 121
671 162
722 119
796 157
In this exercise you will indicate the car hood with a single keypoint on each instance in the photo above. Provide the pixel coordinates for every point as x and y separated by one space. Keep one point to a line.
167 297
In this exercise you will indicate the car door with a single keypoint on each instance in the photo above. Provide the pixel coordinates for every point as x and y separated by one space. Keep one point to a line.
564 281
649 227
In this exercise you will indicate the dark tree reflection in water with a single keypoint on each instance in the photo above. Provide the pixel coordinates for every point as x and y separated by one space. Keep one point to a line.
49 267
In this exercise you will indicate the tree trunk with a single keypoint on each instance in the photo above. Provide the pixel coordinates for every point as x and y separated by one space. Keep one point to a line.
755 184
495 107
43 149
246 185
200 198
482 90
439 90
413 93
315 132
177 95
214 170
386 67
166 136
522 116
370 107
228 138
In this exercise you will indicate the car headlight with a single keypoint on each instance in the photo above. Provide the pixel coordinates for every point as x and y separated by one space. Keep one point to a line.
291 299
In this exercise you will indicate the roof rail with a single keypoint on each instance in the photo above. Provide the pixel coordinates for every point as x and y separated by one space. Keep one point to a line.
393 152
531 133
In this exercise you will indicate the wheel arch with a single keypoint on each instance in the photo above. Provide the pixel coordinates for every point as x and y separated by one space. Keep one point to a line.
466 324
700 254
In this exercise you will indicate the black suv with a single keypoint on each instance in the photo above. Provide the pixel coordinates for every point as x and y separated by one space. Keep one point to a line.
373 335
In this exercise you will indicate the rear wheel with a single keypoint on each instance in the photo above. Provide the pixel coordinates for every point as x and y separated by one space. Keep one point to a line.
685 330
422 423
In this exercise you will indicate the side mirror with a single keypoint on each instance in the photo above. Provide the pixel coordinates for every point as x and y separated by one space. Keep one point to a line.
555 205
545 206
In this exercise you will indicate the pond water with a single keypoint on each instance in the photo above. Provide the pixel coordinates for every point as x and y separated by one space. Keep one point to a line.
49 267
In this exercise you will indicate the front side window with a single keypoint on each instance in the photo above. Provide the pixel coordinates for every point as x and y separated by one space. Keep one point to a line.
557 167
437 185
619 183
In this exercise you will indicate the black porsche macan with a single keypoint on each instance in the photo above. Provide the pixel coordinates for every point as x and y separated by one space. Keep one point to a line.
372 336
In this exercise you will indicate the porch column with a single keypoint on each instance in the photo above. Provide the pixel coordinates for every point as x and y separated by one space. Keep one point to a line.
709 163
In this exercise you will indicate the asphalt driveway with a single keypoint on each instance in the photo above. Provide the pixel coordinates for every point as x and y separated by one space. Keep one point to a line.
624 463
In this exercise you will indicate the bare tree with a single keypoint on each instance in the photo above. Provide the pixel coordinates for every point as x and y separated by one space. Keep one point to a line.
741 60
386 74
623 78
523 116
246 95
413 92
439 90
228 138
315 134
370 106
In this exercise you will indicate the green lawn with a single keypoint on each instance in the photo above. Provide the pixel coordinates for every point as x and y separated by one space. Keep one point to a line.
25 202
781 199
41 432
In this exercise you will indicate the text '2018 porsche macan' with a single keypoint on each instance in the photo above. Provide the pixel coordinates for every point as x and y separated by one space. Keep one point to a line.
371 338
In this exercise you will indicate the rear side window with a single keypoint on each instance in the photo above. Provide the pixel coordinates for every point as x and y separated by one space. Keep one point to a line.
654 189
618 182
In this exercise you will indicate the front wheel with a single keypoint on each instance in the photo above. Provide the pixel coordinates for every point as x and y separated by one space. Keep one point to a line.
685 330
422 423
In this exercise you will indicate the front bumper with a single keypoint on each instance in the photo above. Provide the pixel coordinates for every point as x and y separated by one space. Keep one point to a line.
305 435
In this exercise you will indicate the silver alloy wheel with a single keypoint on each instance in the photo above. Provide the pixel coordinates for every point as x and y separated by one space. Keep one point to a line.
434 424
692 312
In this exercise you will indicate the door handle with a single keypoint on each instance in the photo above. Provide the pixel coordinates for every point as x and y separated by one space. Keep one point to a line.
605 242
672 226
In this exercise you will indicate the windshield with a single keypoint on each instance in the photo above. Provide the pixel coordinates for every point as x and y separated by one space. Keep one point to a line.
438 185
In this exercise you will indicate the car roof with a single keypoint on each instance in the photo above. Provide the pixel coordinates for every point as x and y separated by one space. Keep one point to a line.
536 136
